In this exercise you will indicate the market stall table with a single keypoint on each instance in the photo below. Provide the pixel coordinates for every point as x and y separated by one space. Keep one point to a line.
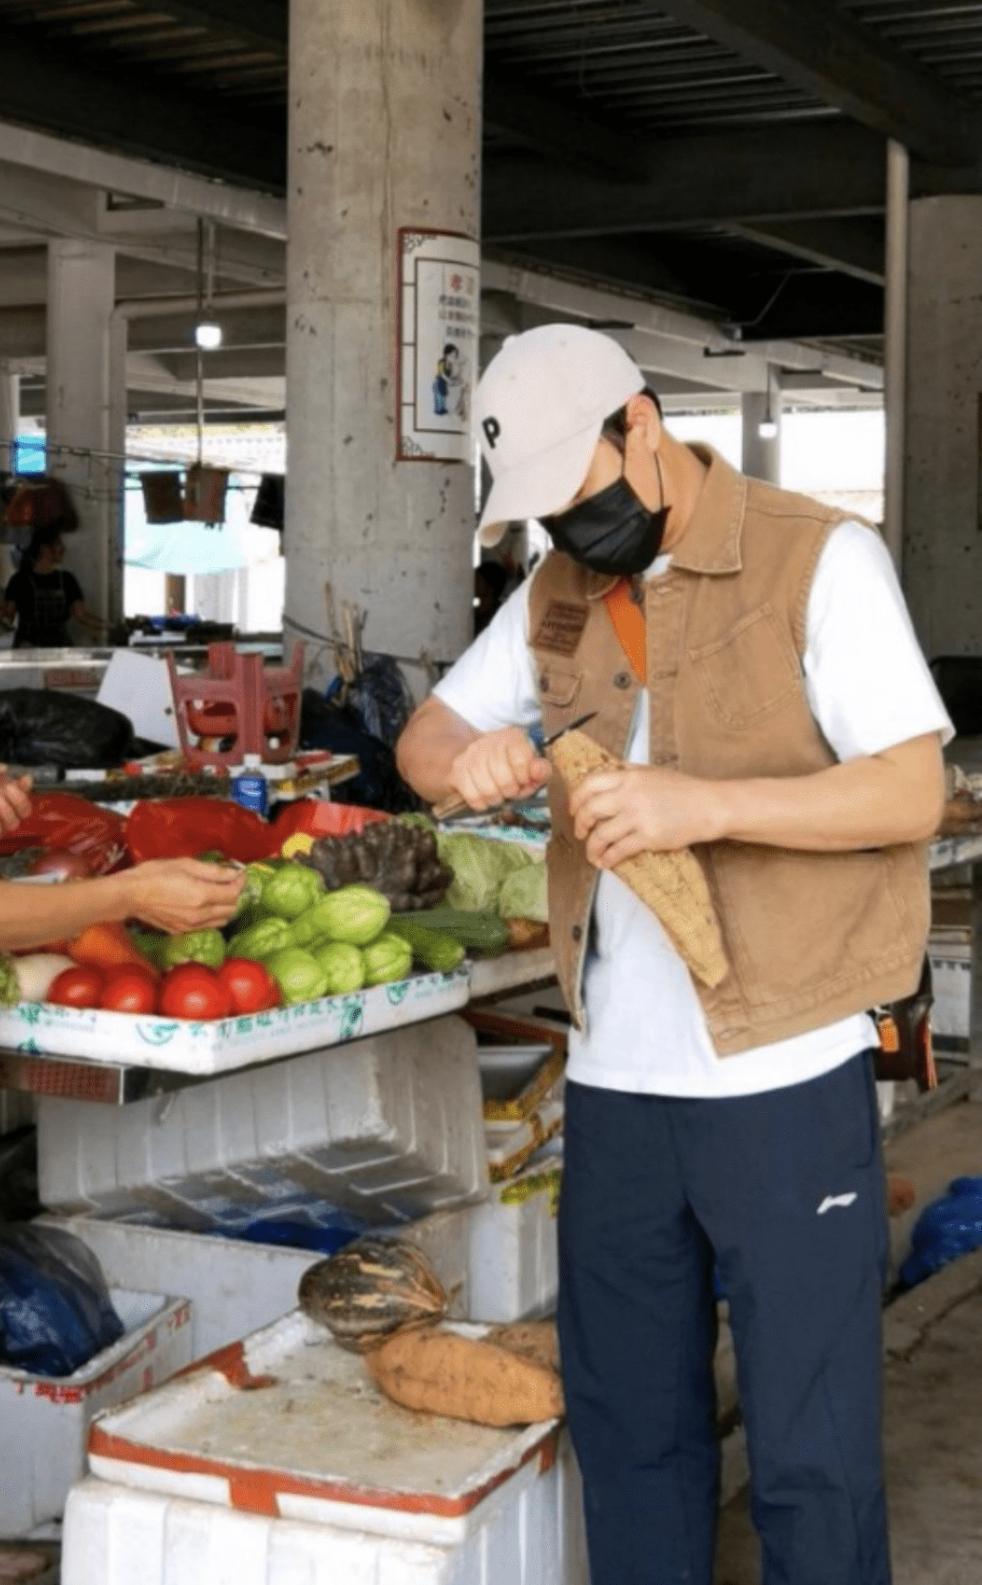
48 1069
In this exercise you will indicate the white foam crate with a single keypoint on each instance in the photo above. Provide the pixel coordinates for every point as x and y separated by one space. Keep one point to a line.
224 1046
390 1128
46 1419
234 1287
311 1474
513 1256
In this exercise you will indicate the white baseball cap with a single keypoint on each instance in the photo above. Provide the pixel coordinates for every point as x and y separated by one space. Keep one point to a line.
541 404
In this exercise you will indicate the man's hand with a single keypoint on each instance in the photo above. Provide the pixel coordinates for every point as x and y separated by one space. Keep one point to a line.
637 809
178 895
496 767
15 801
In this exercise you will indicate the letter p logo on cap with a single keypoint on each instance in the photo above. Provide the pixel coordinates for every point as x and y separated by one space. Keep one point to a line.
492 431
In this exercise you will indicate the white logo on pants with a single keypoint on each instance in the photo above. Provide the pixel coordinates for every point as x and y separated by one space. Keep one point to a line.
832 1200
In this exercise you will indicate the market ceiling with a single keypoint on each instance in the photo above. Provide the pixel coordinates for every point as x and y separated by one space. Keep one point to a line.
726 153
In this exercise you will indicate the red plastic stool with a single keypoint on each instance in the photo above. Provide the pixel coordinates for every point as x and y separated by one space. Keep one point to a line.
256 706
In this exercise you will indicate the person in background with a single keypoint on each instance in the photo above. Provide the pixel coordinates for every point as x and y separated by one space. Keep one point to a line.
175 895
42 598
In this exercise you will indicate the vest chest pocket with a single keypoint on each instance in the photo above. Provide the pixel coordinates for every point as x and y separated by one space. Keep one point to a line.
558 686
751 672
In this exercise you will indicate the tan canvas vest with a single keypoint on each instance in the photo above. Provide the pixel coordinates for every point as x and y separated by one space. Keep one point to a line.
811 937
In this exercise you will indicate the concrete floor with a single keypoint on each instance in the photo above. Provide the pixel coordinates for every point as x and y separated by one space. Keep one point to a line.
933 1396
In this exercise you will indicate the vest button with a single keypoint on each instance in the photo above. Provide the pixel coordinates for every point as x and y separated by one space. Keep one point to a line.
622 680
577 932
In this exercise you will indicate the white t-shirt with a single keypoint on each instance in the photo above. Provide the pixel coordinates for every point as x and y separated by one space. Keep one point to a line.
869 689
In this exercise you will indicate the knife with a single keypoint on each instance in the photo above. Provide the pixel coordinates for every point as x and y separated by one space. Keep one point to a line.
453 808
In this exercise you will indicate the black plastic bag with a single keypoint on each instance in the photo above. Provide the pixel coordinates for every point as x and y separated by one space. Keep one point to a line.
55 1310
41 727
381 698
326 723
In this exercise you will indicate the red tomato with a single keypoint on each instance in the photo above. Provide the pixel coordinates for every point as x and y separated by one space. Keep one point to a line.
77 988
129 990
250 986
193 991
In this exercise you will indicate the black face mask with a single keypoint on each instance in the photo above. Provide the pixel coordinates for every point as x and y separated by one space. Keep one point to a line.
611 532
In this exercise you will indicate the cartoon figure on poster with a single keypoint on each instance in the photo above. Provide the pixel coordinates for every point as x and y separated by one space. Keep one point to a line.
446 330
451 385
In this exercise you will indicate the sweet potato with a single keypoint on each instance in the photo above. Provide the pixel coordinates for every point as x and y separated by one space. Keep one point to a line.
440 1372
534 1340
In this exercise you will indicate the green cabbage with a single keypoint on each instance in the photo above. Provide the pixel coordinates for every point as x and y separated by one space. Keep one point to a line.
525 894
480 867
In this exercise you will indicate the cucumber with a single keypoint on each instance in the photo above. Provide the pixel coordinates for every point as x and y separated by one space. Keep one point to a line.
476 932
435 949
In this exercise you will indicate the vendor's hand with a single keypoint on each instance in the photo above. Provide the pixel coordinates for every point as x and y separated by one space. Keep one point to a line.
497 767
178 895
639 808
15 801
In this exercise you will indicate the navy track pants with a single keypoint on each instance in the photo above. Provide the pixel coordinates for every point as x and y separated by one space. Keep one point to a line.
784 1193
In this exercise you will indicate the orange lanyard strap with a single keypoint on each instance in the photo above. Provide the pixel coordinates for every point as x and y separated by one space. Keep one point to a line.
630 626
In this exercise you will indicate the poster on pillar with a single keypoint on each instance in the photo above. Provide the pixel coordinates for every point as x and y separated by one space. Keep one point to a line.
439 309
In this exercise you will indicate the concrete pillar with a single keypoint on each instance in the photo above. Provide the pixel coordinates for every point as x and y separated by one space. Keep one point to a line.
385 128
81 286
761 453
9 417
942 504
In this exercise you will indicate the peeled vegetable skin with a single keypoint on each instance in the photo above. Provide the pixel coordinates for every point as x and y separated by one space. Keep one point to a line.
672 885
464 1378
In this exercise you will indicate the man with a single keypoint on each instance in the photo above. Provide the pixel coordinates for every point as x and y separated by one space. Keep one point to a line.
787 726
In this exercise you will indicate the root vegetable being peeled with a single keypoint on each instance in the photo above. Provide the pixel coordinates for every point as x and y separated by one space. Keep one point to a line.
672 885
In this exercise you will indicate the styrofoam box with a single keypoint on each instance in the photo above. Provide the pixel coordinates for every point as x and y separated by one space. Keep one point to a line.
513 1257
281 1461
951 970
228 1045
235 1288
390 1128
46 1419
